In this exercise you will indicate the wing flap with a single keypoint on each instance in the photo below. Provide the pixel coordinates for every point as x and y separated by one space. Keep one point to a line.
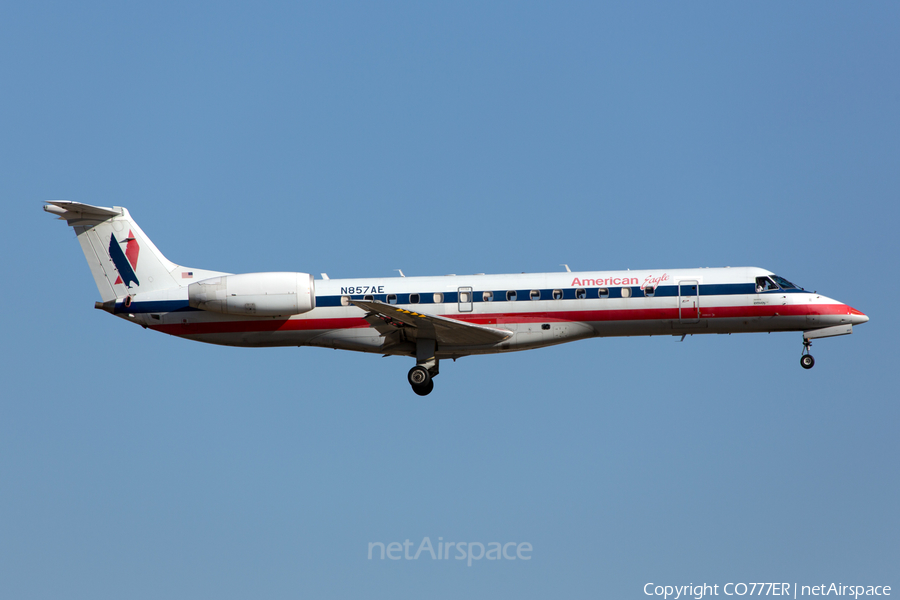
387 318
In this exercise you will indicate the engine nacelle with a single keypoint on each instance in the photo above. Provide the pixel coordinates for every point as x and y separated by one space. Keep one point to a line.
255 294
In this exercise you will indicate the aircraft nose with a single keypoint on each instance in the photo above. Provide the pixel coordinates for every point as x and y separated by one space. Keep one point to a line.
857 317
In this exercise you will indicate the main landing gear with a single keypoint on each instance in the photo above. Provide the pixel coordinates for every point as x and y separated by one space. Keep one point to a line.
806 359
421 376
420 379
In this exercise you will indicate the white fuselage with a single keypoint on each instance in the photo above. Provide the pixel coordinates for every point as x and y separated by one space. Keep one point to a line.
431 318
537 309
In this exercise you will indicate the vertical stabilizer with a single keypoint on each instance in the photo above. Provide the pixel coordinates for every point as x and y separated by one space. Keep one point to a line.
122 258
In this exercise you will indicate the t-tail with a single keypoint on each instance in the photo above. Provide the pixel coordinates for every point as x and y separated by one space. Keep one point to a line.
123 260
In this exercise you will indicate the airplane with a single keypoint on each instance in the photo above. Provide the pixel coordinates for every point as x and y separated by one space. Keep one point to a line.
434 318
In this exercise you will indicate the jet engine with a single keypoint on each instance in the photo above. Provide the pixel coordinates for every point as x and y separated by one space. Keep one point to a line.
255 294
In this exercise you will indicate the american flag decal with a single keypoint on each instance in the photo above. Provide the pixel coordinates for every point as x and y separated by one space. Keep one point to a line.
187 274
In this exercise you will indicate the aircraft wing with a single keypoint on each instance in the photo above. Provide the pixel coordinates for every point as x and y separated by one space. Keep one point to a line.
387 318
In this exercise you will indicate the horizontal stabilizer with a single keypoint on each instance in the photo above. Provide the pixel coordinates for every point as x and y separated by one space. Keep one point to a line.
76 211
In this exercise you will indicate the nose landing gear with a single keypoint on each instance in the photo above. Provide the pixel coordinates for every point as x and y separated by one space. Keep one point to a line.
806 359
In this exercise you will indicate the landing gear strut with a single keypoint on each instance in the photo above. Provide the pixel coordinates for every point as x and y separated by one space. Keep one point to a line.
420 376
806 359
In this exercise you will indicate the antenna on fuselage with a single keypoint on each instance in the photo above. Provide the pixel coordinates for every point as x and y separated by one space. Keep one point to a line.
566 266
401 272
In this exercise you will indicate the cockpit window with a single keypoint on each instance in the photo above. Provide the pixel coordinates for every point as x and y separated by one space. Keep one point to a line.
764 284
784 283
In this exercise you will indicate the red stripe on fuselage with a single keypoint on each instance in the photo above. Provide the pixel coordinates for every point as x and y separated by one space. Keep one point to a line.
655 314
260 326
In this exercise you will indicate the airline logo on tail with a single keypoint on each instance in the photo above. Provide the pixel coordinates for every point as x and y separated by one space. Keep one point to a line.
125 262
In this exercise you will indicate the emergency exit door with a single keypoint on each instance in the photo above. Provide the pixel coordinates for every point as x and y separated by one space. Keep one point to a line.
465 299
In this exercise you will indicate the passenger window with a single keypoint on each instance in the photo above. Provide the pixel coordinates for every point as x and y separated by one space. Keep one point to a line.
649 291
438 298
511 295
392 298
626 292
581 293
369 298
603 293
464 297
413 298
345 300
557 294
535 294
487 296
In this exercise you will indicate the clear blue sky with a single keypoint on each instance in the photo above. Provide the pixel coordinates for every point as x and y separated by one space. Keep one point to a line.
358 138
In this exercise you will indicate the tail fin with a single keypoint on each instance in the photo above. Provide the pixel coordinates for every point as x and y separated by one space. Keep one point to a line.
122 258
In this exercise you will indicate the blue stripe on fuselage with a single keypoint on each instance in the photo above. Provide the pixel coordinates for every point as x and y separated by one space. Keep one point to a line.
154 306
716 289
712 289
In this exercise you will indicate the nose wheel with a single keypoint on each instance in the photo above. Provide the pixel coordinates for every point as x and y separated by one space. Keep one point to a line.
806 359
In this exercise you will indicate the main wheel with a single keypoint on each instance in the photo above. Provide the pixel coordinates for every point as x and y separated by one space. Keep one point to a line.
419 376
807 361
424 390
